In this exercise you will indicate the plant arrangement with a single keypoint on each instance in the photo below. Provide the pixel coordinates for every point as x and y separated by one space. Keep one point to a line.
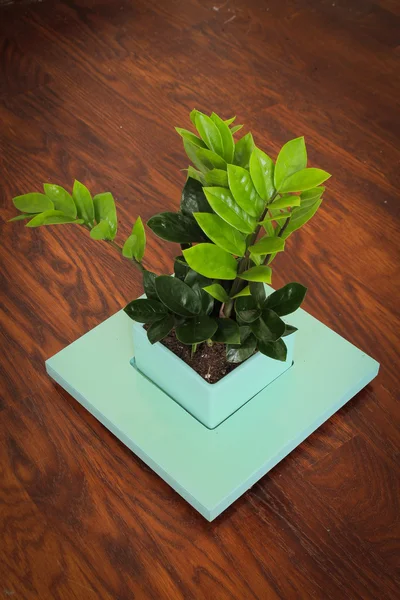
237 210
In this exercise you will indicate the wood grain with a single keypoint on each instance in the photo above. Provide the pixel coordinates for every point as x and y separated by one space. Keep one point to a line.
91 89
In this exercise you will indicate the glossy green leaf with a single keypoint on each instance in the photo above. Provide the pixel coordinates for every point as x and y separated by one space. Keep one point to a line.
101 231
269 327
228 144
236 128
195 174
287 299
209 133
193 198
104 210
176 227
243 149
289 329
291 158
83 202
190 137
206 301
280 216
160 328
210 159
22 217
300 216
149 284
61 199
216 177
286 202
257 290
191 151
211 261
259 273
244 292
33 203
237 353
221 233
306 179
177 296
196 330
262 174
192 278
181 267
246 309
217 291
52 217
243 191
276 350
268 244
223 203
135 245
227 332
192 116
310 196
145 310
230 121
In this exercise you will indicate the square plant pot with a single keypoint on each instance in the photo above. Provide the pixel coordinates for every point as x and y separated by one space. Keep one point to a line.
209 403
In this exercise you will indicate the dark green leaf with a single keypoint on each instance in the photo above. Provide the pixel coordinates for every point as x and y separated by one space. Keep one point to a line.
160 328
61 199
227 332
291 158
228 144
149 284
276 350
262 174
211 261
190 137
237 353
181 267
206 301
261 273
217 291
217 177
83 202
289 329
135 245
269 327
177 296
221 233
209 133
196 330
223 203
306 179
193 198
243 149
257 291
243 191
192 277
144 310
247 309
52 217
268 244
176 227
287 299
33 203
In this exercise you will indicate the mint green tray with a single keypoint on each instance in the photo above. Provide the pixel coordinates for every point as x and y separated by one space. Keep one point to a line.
210 469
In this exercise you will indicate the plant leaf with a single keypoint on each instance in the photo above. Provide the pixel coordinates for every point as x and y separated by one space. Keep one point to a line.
145 310
257 290
181 267
196 330
52 217
228 144
244 292
243 191
177 296
277 217
289 329
227 332
310 196
193 198
262 174
149 284
230 121
243 149
236 128
300 216
291 158
176 227
104 210
223 203
268 244
22 217
33 203
135 245
83 202
276 350
194 174
211 261
160 328
217 177
210 159
306 179
269 327
247 309
287 299
217 291
221 233
261 273
285 202
190 137
237 353
61 199
191 151
209 133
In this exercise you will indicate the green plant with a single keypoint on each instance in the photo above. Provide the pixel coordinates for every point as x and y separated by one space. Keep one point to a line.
237 210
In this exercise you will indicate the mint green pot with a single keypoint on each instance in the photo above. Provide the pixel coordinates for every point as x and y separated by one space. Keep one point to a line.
209 403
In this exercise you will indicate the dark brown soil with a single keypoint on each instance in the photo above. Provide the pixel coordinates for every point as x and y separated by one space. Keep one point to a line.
209 362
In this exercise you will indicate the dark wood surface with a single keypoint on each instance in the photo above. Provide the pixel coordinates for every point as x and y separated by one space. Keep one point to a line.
92 90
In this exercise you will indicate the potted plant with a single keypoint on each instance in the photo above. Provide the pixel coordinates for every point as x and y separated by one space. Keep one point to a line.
209 335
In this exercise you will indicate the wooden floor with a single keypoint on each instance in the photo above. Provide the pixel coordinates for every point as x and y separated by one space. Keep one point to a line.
92 90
